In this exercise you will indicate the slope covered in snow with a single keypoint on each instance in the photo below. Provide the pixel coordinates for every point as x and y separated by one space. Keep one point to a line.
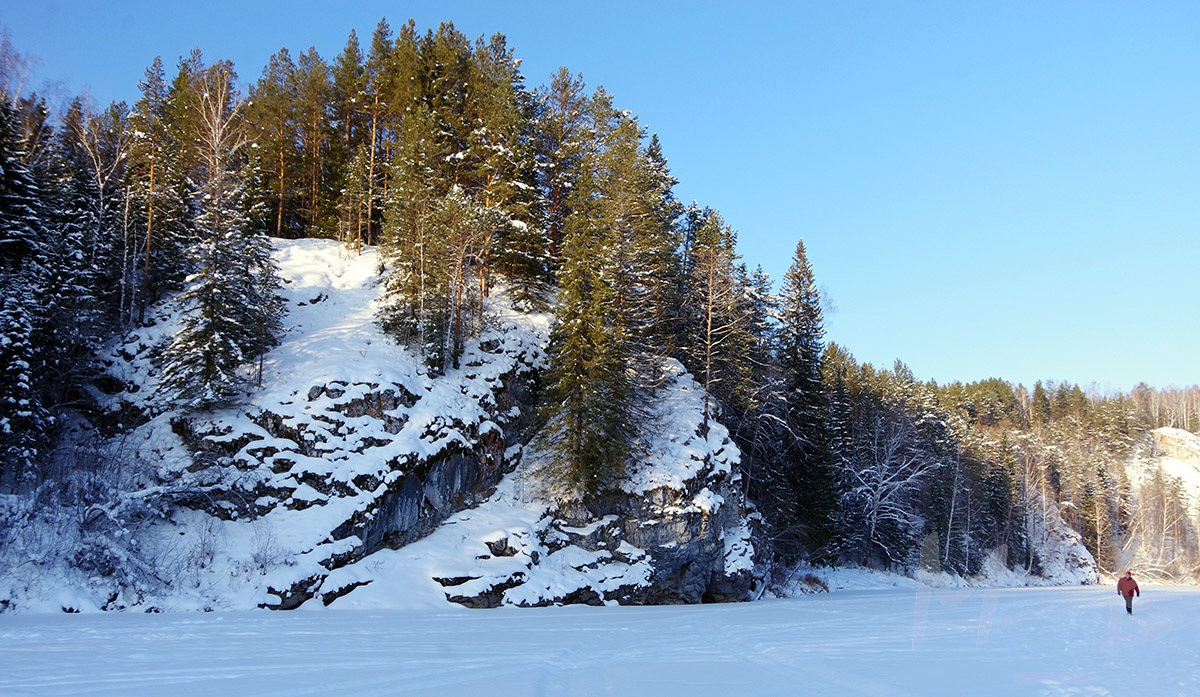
512 549
1176 454
253 503
315 486
353 477
1162 538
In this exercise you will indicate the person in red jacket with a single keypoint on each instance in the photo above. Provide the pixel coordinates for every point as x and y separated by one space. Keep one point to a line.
1126 587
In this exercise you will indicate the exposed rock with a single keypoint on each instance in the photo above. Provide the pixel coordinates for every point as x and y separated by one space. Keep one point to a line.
677 532
684 555
335 465
1177 443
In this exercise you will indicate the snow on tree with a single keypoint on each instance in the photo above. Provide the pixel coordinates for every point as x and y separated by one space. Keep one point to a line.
718 329
879 510
229 313
155 220
561 136
500 174
635 207
590 387
22 275
801 483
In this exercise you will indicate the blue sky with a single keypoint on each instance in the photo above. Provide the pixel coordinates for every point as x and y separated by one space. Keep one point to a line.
986 189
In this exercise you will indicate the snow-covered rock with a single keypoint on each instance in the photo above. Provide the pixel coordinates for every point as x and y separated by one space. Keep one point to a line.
678 532
1172 453
352 477
1164 483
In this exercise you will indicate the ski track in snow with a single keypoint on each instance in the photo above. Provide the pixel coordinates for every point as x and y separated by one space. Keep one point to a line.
918 641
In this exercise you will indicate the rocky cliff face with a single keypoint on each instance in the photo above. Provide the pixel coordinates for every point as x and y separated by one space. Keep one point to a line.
677 532
1164 508
303 490
363 466
1176 443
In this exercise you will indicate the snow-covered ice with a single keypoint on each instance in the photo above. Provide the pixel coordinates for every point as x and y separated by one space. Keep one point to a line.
906 641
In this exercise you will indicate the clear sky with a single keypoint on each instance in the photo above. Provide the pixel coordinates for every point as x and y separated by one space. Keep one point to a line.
986 189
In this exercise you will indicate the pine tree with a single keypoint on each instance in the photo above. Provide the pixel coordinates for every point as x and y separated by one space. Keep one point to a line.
719 339
271 113
808 462
453 189
154 218
415 276
23 421
446 76
348 153
183 122
227 304
502 173
313 90
373 107
562 135
434 239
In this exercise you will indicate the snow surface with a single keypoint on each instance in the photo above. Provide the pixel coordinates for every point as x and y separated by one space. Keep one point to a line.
905 641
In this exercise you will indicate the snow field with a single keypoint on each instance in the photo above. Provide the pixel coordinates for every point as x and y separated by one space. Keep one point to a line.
914 641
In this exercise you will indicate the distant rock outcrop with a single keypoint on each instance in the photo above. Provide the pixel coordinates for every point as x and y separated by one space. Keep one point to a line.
1164 485
1177 443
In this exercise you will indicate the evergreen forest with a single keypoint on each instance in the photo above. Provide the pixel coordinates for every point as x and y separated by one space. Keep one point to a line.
430 146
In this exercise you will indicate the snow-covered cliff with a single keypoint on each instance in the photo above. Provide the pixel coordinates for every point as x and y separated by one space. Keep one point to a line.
351 476
1160 542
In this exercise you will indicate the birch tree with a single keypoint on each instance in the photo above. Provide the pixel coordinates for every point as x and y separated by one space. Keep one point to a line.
230 311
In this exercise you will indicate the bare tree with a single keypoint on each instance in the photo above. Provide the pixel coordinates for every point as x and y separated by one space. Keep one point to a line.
879 485
15 68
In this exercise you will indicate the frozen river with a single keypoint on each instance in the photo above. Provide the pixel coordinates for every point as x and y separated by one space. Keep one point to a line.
1072 641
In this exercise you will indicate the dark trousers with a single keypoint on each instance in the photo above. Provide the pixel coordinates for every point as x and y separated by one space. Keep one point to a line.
1129 603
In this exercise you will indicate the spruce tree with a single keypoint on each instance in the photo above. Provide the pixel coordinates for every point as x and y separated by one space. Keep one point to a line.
635 206
23 421
227 303
661 248
589 392
1041 407
754 420
76 297
589 403
808 462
